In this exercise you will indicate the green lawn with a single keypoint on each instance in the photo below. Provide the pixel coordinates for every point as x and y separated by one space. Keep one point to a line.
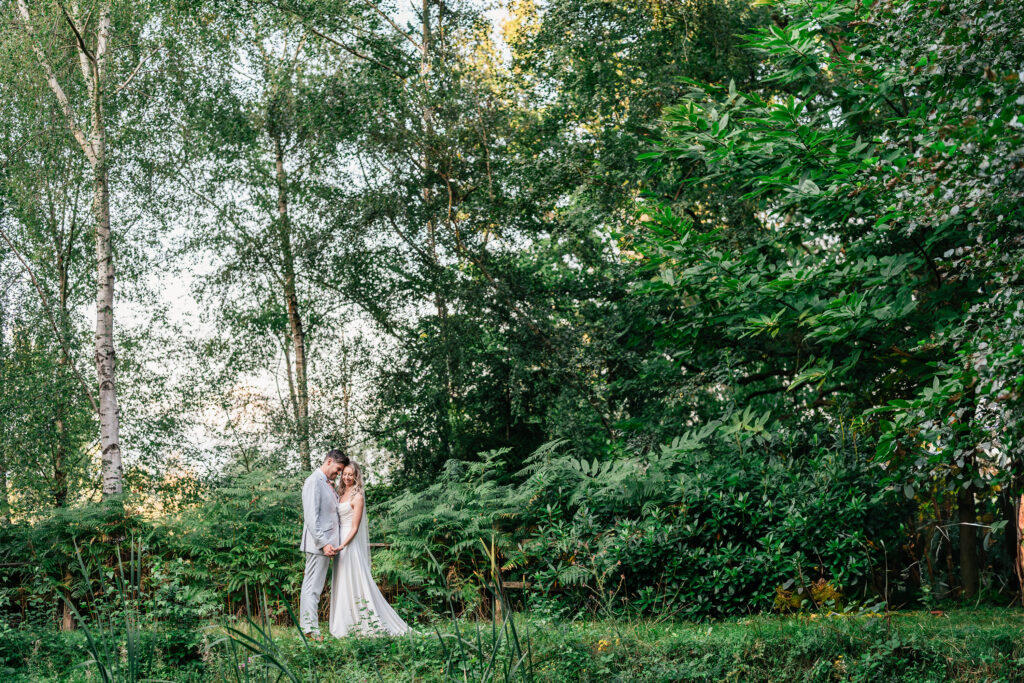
982 645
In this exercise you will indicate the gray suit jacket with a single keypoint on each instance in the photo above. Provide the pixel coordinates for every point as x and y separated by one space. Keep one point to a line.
320 522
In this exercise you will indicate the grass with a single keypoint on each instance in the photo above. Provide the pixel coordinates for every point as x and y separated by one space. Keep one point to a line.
962 645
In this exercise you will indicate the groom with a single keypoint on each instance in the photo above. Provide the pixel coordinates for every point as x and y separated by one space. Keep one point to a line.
321 536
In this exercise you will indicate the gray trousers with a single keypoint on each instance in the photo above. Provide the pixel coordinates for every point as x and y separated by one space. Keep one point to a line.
312 586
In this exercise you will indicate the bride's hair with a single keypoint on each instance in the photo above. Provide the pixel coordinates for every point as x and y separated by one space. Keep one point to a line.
358 472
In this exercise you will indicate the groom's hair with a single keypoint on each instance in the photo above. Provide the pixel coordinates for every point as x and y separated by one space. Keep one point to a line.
337 456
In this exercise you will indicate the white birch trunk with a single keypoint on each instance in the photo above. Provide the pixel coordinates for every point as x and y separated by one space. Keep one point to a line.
106 368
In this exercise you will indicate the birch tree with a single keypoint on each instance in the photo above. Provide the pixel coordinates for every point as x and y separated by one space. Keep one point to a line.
47 31
264 155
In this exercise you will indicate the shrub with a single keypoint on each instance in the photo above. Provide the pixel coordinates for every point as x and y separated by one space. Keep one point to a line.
700 529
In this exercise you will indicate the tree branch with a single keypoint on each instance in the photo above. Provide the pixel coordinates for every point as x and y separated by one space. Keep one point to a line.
78 36
928 260
405 35
356 53
51 79
135 71
65 349
758 376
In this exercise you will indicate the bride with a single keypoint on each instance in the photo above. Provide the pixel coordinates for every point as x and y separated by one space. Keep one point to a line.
356 603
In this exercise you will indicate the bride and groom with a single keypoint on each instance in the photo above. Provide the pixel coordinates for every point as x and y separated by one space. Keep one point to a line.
334 533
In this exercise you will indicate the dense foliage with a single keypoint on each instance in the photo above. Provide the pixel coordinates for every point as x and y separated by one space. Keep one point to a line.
872 278
695 530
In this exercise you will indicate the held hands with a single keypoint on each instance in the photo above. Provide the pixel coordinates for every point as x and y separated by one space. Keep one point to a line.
332 550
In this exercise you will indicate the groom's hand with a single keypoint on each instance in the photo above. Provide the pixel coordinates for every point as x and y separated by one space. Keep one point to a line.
330 550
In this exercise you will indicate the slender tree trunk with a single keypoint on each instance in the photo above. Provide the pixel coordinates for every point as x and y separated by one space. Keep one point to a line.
950 564
968 518
67 622
1018 536
292 400
440 303
346 395
5 500
60 477
294 314
106 365
60 460
967 511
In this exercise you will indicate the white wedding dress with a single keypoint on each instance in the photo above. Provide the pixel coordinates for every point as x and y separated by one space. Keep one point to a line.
357 605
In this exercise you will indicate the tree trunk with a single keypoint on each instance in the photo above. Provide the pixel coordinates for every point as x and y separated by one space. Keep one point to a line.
5 497
346 395
60 460
5 500
60 476
440 302
294 314
968 518
106 368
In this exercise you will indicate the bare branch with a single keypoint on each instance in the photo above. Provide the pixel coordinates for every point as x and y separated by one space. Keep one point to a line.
405 35
356 53
298 51
78 35
135 71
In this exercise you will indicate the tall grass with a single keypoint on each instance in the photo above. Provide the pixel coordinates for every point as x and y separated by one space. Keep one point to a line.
109 624
255 656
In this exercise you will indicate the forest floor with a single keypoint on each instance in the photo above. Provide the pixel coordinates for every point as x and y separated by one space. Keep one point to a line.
957 645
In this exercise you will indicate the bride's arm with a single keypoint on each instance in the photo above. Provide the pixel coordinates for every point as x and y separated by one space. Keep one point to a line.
357 517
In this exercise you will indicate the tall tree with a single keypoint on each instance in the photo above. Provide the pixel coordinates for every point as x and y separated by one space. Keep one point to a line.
266 116
48 31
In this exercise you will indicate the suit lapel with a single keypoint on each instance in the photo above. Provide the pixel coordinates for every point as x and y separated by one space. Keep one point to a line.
327 483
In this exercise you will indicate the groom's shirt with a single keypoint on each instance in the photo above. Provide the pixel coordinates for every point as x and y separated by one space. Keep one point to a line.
320 523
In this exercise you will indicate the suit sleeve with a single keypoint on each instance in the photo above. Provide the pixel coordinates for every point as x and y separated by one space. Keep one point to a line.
311 512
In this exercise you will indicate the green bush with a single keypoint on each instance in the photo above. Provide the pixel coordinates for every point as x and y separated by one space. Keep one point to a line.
700 529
